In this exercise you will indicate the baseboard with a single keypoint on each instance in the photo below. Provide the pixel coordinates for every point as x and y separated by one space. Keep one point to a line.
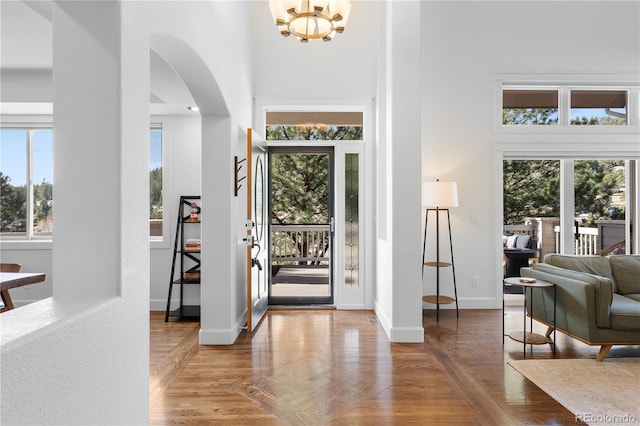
218 337
407 335
399 334
383 320
358 307
158 305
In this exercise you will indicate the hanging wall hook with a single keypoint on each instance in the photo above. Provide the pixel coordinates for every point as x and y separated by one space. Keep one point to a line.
236 170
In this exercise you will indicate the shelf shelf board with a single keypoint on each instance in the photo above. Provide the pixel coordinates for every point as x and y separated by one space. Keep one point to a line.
439 264
444 300
183 281
186 311
529 338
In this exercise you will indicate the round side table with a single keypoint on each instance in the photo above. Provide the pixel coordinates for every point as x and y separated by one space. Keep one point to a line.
524 336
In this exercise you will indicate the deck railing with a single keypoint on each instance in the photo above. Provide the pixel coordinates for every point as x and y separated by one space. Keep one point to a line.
586 241
300 244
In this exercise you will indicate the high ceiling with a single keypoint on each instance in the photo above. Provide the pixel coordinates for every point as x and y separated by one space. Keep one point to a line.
26 65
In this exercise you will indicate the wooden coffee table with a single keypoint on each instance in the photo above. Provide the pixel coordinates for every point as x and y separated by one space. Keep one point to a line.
529 337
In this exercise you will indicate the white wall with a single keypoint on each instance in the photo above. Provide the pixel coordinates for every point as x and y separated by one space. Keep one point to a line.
217 69
74 370
343 68
66 359
465 46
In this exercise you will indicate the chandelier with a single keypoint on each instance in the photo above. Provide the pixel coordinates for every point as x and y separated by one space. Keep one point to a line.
310 19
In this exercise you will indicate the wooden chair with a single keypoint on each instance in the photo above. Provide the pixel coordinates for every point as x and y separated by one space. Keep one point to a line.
6 299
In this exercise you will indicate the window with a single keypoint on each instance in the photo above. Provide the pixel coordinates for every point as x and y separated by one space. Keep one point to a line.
314 125
26 177
599 107
156 205
567 105
529 107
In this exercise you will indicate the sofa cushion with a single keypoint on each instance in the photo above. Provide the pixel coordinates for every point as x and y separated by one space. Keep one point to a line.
626 271
634 296
625 313
603 286
595 265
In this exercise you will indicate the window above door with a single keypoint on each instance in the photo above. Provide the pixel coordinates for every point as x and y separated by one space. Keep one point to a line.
314 125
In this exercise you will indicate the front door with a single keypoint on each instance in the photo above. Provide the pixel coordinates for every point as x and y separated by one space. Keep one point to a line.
301 225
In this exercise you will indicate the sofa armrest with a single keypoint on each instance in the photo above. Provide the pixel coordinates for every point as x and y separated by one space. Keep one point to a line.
583 303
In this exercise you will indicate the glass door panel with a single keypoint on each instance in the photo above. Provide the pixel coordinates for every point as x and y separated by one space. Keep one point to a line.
301 225
600 206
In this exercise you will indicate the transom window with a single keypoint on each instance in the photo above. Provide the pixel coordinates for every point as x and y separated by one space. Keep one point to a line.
564 105
599 107
313 125
529 107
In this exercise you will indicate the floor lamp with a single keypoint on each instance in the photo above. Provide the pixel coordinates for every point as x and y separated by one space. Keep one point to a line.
438 197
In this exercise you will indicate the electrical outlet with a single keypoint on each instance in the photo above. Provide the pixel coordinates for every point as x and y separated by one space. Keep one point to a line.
475 282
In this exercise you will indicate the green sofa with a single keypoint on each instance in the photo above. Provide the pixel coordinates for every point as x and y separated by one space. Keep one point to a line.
598 298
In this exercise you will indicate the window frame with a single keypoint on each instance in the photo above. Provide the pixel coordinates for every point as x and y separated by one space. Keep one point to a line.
29 127
533 141
160 241
565 83
46 122
344 297
566 142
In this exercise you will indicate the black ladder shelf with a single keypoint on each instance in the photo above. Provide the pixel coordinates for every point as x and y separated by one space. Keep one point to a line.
186 258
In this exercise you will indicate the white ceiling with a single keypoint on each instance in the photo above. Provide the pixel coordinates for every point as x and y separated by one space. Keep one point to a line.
26 63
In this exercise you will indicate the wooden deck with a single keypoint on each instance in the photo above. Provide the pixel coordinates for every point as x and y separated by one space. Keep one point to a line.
301 280
338 367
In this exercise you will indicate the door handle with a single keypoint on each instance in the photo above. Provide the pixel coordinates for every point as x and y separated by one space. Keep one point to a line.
332 225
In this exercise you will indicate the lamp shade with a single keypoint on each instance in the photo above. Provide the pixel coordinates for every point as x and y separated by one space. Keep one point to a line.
439 194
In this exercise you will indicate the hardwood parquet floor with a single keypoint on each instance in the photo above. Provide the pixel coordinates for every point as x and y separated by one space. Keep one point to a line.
321 367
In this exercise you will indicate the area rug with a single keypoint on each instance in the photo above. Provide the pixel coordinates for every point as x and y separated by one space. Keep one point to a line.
597 393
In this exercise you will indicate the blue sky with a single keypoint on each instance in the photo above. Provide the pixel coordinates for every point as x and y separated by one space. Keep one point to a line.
592 112
13 155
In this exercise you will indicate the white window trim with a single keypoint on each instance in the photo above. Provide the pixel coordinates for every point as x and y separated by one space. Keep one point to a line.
29 241
165 124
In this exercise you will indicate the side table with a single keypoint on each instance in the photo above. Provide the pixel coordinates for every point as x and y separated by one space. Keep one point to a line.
530 337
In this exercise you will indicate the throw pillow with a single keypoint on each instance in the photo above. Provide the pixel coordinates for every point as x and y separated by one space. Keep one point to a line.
511 241
626 270
522 241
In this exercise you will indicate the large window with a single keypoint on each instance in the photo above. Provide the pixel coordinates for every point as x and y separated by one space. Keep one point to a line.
26 177
532 200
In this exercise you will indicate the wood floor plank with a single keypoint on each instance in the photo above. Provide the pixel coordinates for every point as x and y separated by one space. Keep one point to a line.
338 367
